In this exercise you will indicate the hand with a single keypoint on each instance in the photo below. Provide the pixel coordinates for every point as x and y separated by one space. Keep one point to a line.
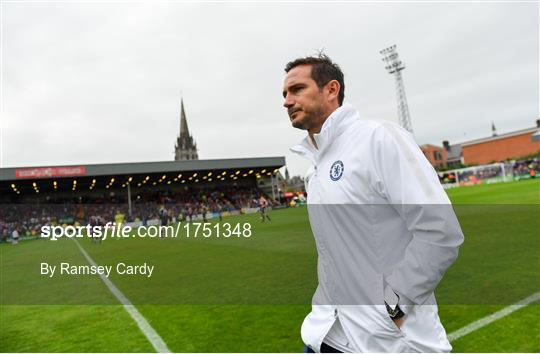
398 321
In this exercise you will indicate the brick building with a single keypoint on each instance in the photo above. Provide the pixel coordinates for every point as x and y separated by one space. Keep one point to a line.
500 147
485 150
436 155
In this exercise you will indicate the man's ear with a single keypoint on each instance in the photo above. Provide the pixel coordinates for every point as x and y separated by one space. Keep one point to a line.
333 88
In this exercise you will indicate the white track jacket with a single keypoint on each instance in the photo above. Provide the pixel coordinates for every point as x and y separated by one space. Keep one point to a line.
381 222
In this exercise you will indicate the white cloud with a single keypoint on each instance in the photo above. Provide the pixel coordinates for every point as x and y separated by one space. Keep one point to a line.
97 82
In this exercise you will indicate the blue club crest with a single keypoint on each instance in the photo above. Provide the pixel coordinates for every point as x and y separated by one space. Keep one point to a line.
336 171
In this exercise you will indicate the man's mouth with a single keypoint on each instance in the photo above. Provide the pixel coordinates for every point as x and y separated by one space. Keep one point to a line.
292 113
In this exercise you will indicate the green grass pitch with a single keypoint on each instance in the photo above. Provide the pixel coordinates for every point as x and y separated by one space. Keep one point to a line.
251 295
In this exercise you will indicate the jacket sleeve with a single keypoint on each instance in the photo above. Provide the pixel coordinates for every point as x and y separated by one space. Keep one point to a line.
408 182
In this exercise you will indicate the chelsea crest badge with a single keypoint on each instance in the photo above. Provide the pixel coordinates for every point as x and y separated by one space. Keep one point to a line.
336 171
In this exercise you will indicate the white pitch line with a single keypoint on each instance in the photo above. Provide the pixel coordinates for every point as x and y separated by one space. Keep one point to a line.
150 333
493 317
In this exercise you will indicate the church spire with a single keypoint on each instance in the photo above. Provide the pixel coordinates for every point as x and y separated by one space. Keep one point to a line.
183 121
185 148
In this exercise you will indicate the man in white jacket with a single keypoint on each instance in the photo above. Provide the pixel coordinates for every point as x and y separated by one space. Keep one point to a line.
384 228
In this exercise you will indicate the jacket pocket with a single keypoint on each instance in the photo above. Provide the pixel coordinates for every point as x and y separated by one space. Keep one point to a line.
387 322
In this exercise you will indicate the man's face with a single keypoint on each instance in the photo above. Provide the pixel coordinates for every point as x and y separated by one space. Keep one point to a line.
304 101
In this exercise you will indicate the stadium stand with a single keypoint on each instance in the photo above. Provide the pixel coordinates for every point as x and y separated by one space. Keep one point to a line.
136 193
498 172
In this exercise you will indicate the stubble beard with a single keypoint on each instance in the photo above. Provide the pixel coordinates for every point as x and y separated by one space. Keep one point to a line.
310 120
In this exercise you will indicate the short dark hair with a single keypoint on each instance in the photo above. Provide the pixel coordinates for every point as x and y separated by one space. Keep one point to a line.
323 70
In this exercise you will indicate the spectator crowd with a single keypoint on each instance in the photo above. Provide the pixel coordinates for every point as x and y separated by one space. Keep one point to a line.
528 168
27 219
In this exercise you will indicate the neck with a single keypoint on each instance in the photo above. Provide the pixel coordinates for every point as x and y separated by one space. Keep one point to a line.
317 129
313 139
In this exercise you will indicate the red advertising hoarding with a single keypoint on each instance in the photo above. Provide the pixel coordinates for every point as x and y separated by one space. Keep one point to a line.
47 172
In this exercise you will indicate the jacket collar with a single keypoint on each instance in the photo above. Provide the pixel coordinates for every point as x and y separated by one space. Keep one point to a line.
333 127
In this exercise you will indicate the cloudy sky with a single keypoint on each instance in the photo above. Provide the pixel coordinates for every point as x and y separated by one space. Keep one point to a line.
97 82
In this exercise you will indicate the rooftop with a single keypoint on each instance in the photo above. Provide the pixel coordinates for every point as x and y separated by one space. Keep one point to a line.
117 169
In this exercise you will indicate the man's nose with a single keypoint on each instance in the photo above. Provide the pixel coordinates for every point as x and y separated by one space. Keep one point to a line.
289 102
